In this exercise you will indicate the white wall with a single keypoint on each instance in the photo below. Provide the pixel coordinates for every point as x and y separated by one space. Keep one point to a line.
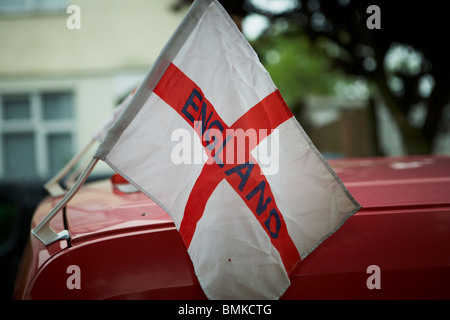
114 34
100 63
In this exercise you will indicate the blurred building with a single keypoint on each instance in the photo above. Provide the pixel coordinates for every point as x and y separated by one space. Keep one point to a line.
340 127
58 85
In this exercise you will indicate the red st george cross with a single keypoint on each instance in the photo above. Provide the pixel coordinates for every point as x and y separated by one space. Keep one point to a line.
247 179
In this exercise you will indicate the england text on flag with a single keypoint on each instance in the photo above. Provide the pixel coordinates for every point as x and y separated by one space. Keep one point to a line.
245 229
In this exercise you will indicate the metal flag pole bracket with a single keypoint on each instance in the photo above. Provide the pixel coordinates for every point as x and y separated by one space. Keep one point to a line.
43 231
52 186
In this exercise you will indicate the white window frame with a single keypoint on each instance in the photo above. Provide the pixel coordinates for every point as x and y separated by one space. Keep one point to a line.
34 6
40 127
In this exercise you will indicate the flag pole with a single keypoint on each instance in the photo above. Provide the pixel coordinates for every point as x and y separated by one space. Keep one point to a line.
52 186
72 178
42 231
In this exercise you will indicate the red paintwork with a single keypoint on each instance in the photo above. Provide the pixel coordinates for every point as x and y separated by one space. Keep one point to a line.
127 247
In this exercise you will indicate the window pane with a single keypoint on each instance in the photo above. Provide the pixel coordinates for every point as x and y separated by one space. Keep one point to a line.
51 4
59 150
12 5
32 5
19 156
16 107
57 106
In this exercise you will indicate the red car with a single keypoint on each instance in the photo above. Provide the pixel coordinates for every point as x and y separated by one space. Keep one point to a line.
124 246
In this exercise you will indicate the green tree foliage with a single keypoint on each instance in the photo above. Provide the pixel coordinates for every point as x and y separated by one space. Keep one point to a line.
405 59
292 62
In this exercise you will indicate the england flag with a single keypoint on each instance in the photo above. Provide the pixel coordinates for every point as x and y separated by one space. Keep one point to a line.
208 136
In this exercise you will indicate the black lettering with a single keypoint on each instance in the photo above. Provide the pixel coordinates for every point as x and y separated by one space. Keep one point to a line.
260 188
248 167
190 102
273 213
202 117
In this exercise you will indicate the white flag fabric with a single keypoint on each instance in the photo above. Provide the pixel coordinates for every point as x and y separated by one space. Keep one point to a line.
101 132
208 136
